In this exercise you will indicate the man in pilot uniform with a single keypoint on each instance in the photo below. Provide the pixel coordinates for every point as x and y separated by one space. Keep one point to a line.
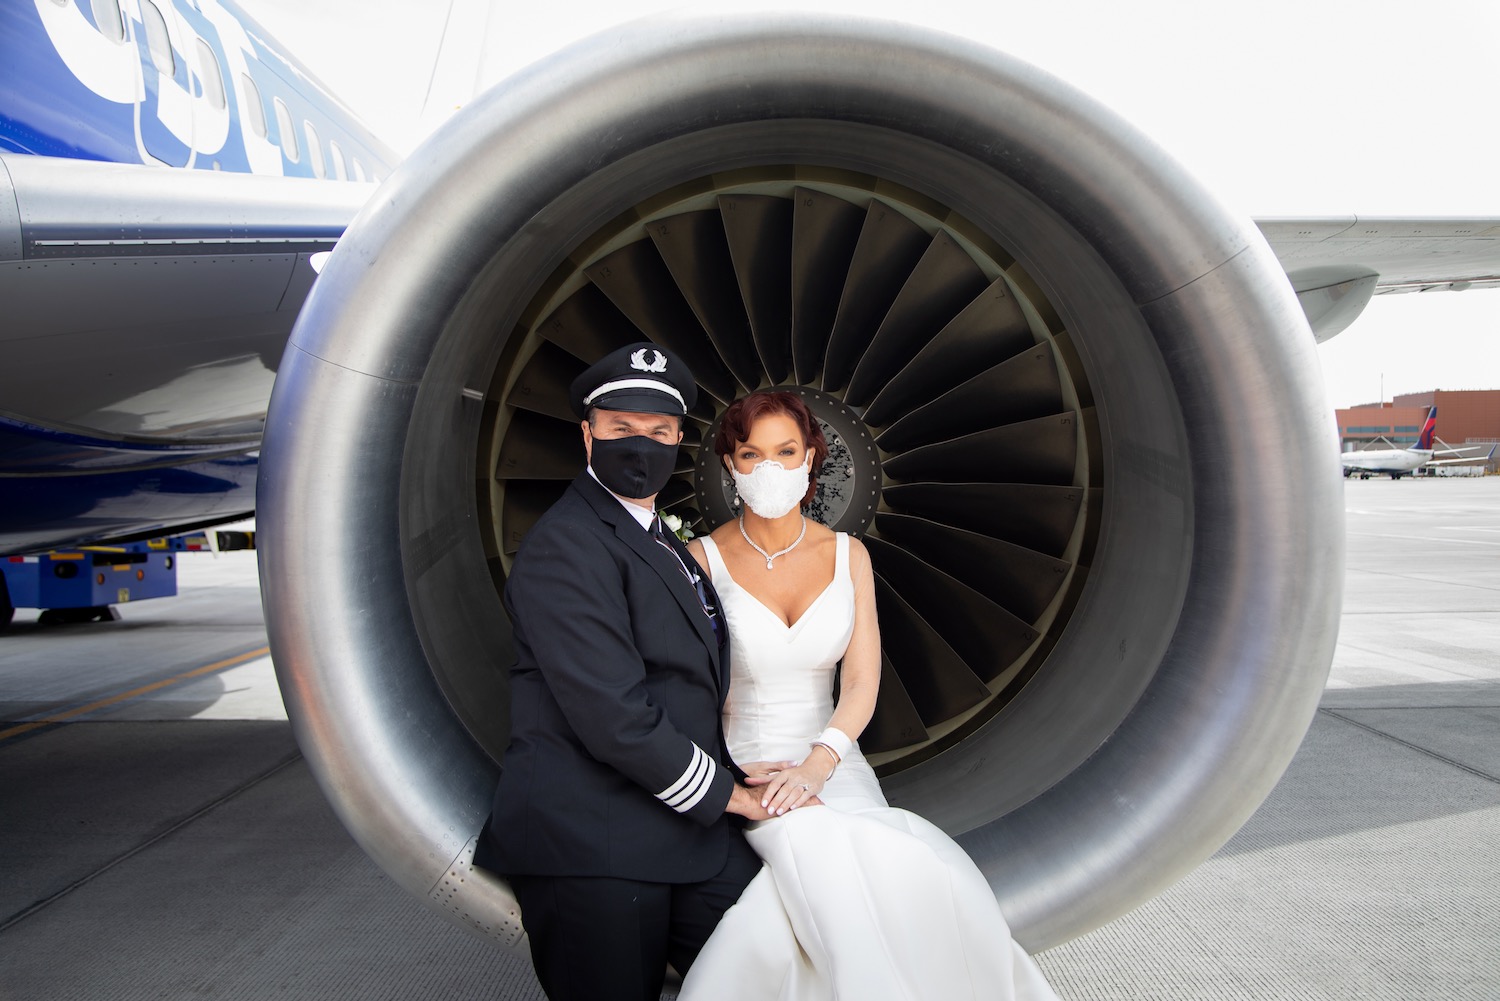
612 816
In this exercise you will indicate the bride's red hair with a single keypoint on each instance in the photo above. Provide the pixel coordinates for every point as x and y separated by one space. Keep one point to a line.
742 414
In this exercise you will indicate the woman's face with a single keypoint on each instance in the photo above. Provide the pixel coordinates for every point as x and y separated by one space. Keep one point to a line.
772 436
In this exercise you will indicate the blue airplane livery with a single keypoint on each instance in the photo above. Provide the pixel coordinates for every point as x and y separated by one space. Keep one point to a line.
191 83
167 175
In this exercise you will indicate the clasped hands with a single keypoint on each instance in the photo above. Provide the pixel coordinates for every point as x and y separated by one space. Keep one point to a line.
785 785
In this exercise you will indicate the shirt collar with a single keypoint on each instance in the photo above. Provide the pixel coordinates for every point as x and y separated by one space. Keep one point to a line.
641 514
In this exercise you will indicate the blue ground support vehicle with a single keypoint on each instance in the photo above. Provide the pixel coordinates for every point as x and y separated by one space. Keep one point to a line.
84 584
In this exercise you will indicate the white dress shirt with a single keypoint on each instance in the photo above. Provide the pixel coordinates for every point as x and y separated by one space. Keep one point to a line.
642 514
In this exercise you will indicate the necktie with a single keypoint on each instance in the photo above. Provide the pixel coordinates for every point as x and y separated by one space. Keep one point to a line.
659 533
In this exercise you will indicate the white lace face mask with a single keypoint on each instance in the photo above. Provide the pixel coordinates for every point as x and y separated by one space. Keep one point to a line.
770 489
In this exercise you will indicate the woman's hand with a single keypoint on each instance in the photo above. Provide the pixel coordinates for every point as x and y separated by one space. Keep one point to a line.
791 787
758 773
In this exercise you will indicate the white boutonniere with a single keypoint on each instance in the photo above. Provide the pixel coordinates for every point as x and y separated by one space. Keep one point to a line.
676 527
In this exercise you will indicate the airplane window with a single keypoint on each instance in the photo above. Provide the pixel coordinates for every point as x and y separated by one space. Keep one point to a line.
253 105
157 39
314 149
107 19
286 130
336 154
208 69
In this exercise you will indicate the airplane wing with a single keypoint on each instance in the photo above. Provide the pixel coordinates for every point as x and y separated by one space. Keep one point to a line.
1336 264
146 314
1457 451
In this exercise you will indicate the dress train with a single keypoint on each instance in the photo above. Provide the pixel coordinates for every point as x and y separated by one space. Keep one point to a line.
858 900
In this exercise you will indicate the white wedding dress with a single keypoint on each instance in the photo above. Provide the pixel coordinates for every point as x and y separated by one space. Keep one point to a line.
858 900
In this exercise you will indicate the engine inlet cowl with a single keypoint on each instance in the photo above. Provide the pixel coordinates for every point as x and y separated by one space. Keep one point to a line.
1051 366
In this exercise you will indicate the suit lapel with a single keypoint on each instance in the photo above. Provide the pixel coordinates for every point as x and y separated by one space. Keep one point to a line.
629 531
721 661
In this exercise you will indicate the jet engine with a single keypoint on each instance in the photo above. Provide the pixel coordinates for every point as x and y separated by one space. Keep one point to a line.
1074 410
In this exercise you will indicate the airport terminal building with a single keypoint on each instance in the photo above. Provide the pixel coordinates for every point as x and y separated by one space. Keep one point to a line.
1465 417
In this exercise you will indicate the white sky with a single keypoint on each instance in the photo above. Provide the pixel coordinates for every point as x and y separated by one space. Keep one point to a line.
1283 107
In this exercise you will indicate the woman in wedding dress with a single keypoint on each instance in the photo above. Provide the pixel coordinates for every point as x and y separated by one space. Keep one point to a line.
858 900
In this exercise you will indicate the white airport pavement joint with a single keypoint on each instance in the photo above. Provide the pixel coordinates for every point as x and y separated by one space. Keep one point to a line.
1424 538
1419 579
171 829
1478 773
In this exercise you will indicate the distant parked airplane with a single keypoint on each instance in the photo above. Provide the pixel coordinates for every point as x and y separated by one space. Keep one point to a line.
1398 462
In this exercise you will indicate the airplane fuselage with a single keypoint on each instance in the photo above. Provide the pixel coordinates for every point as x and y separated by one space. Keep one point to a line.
171 83
147 307
1386 460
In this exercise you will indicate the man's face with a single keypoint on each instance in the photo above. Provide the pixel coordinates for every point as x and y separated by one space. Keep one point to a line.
608 424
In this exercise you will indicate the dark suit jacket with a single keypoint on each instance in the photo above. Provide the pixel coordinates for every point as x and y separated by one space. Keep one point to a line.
616 764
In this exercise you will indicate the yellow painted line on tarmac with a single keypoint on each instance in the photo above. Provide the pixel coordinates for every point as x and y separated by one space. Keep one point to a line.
196 672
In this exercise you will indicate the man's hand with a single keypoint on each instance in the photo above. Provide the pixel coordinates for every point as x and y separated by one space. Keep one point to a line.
746 803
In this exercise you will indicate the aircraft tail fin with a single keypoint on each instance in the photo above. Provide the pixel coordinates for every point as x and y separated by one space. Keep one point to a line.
1429 428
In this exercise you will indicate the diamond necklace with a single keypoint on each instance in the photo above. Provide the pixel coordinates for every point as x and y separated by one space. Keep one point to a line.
771 556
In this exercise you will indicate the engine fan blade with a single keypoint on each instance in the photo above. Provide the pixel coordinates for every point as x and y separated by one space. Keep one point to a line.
989 330
890 245
825 231
759 231
895 723
588 326
638 282
937 679
1037 451
539 448
542 386
1023 388
1039 517
987 637
695 249
1014 578
944 281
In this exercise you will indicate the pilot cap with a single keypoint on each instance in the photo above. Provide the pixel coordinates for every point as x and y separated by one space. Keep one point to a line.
642 378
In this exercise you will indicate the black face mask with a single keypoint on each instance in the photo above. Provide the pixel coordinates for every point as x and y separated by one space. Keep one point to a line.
636 467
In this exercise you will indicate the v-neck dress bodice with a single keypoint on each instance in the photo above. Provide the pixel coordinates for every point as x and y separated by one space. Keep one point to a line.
781 683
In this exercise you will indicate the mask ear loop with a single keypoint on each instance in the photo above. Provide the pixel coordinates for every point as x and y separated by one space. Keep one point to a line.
734 501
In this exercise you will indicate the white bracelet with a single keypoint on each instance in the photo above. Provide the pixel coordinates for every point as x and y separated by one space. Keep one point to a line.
832 754
837 742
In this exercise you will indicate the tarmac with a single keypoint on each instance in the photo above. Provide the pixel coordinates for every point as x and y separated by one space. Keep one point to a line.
161 837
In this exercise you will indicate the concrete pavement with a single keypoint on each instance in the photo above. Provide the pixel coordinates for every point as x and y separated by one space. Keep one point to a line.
171 843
